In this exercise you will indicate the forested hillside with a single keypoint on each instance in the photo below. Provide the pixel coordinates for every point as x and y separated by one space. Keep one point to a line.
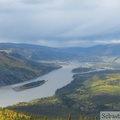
87 94
6 114
15 68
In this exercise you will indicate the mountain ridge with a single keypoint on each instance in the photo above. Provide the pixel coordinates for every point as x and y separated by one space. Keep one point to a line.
38 52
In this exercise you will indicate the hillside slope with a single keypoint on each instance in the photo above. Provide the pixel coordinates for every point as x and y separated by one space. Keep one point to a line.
87 94
15 68
6 114
38 52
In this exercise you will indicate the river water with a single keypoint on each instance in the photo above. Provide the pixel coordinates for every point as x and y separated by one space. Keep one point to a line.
56 79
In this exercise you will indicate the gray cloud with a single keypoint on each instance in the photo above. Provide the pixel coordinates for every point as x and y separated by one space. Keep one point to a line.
60 22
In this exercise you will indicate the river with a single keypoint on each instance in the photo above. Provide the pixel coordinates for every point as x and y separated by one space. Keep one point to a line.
56 79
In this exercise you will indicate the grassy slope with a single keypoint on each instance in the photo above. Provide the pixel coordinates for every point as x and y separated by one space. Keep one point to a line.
14 68
94 91
52 107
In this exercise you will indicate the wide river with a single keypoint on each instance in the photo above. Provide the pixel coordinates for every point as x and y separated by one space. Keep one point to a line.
56 79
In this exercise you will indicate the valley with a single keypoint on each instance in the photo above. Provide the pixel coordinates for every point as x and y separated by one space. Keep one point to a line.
88 93
55 79
59 59
80 81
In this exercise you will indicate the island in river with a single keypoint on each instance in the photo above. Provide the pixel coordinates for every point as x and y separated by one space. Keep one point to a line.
29 85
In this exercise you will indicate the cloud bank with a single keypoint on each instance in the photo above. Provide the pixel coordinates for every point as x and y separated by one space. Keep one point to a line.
60 22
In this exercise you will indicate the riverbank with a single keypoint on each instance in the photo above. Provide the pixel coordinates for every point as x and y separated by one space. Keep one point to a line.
56 79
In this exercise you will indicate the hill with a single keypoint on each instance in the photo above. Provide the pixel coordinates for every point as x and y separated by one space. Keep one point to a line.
15 68
6 114
87 95
37 52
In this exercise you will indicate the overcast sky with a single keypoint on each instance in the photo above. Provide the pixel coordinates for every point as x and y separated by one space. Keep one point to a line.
60 23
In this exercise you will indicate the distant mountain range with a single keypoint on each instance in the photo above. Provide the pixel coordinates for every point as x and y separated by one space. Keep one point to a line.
37 52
